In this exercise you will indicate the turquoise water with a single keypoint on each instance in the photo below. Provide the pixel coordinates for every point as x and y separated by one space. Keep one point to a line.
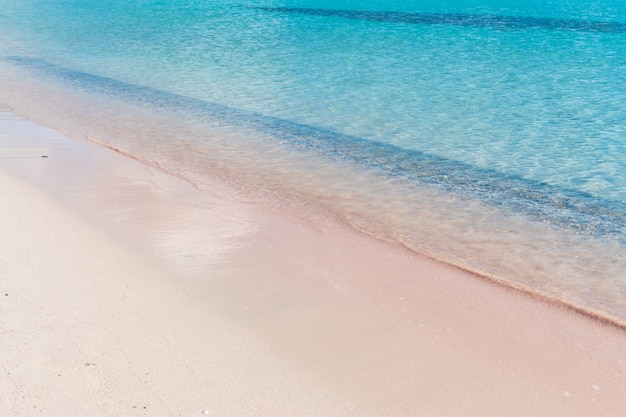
489 134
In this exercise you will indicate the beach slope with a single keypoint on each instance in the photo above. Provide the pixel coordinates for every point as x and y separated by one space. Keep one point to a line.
125 291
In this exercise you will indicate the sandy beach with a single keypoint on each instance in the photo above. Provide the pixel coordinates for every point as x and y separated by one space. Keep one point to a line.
125 291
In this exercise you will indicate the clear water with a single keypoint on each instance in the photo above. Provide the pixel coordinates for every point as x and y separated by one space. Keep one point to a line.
489 134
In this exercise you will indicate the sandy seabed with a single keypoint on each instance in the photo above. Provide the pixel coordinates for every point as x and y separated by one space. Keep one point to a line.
125 291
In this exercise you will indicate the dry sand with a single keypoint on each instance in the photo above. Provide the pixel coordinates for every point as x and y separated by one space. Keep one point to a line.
125 292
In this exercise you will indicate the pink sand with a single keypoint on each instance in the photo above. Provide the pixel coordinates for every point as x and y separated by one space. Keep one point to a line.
125 291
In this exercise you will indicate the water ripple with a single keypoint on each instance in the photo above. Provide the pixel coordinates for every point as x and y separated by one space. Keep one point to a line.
489 21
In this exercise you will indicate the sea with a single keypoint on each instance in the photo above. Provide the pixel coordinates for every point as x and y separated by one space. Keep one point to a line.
488 134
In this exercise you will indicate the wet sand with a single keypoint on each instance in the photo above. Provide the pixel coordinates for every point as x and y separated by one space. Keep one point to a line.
126 291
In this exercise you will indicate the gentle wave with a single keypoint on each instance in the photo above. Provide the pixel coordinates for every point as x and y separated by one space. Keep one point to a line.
571 209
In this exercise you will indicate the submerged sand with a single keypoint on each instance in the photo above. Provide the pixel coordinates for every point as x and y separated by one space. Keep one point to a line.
125 291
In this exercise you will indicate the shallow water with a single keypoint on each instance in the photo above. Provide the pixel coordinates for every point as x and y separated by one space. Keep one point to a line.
491 135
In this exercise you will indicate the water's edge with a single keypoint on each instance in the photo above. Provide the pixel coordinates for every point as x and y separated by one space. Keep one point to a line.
410 184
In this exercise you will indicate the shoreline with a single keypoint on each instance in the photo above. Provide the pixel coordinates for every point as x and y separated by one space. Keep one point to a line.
313 318
601 316
558 264
324 214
